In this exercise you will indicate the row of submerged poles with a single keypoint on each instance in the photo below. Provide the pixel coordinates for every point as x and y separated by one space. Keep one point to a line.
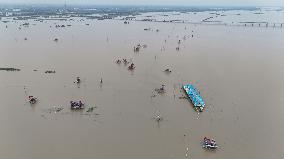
279 25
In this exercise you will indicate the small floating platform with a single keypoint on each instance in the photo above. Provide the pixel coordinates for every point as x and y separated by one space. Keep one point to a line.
195 97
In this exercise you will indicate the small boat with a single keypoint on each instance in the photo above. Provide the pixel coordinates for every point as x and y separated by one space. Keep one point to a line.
209 143
77 105
195 97
32 99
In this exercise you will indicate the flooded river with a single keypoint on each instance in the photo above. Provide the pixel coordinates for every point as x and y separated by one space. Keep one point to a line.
239 72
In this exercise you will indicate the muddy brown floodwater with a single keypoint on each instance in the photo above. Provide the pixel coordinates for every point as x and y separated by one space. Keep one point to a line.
238 70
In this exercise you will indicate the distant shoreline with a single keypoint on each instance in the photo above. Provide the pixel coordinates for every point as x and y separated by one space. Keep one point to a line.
111 11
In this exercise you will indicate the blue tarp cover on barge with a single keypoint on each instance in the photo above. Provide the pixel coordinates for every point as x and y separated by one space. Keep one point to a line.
194 96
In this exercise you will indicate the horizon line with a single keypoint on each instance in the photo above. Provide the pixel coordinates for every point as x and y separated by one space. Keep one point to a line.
139 5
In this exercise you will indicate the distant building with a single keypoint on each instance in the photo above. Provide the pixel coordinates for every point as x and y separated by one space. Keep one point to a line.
7 14
16 10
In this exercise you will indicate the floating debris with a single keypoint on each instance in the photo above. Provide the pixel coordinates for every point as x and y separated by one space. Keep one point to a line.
158 118
50 71
161 90
58 26
10 69
138 47
183 97
58 109
43 116
26 24
91 109
144 46
125 62
55 109
56 40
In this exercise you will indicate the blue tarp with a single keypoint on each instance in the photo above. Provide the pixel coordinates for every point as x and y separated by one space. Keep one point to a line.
194 95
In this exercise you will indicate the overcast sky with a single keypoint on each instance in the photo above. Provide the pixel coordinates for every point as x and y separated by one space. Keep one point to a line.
158 2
